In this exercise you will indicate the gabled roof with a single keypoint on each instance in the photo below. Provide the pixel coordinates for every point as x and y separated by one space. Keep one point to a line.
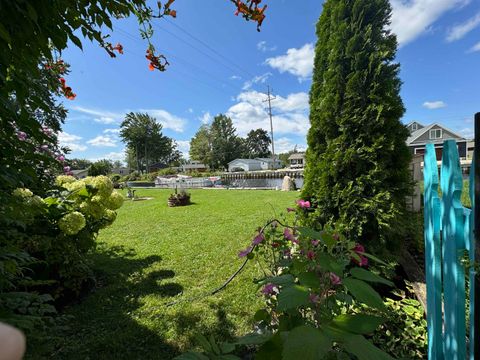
295 156
416 134
246 161
267 159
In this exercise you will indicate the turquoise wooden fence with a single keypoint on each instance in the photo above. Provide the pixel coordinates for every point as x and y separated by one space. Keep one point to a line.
449 246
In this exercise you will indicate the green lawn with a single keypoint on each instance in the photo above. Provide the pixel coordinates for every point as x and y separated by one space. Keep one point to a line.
153 255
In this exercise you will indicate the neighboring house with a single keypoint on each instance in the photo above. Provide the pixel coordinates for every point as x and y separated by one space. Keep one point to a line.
297 160
421 135
269 164
254 164
157 166
121 171
194 165
80 174
470 148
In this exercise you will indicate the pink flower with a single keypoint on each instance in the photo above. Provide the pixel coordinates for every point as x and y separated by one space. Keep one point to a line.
66 169
303 204
44 147
315 242
47 131
335 279
287 234
310 255
269 289
359 250
290 209
314 298
258 239
61 158
245 252
21 136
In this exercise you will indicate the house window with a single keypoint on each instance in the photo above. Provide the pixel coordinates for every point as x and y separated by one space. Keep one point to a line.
414 127
436 134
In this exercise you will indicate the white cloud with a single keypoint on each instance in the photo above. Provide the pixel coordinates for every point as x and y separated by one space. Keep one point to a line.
467 133
114 156
285 144
71 141
111 131
102 141
411 18
434 105
235 77
184 147
190 110
290 113
298 62
262 46
259 79
459 31
168 120
475 47
206 118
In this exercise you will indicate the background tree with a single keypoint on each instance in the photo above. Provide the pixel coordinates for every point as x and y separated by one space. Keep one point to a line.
357 161
143 137
100 167
201 146
226 145
284 156
78 164
257 144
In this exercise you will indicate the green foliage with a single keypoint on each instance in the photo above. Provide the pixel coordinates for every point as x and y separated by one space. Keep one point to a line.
404 334
78 164
145 141
311 280
257 144
100 167
54 234
357 161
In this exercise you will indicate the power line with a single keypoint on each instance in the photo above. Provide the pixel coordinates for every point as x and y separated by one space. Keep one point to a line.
209 47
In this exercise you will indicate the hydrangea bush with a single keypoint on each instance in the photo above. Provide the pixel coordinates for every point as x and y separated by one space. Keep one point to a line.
55 233
313 283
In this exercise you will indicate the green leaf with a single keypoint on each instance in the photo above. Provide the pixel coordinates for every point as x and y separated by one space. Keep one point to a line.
364 293
309 279
329 263
359 323
261 315
366 275
226 347
191 356
214 345
306 343
253 339
285 279
4 34
204 343
310 233
292 296
363 349
32 13
76 41
374 258
272 349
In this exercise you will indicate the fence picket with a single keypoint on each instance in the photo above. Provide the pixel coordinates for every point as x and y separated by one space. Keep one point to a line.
448 233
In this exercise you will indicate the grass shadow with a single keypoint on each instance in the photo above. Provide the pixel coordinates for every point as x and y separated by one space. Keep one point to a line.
105 324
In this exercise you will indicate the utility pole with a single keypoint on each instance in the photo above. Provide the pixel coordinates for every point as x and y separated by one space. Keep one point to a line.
269 100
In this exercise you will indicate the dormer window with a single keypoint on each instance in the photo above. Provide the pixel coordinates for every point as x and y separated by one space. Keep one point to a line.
436 134
414 127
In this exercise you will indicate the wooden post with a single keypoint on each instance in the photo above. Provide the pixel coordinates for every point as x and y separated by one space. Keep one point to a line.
475 337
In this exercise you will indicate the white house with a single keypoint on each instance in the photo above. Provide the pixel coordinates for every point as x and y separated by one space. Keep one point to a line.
254 164
80 174
121 171
194 165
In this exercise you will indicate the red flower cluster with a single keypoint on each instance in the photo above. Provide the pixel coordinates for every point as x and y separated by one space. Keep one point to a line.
67 90
156 62
251 11
110 49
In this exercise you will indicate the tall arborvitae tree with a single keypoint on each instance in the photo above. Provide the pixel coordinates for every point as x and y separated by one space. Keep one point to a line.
357 172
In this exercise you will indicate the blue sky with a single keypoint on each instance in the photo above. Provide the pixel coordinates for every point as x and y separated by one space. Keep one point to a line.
221 64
